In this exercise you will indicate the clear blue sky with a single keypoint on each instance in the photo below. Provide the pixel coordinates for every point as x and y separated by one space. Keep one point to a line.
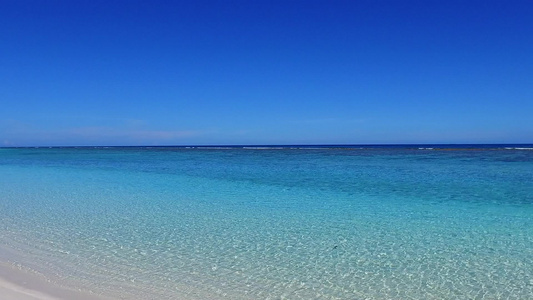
265 72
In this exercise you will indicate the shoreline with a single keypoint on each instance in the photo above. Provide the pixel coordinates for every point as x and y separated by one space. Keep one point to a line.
17 284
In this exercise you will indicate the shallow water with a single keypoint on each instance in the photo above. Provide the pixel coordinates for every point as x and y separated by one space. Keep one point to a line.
344 223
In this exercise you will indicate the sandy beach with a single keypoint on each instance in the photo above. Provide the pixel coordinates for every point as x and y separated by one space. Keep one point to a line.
10 291
20 285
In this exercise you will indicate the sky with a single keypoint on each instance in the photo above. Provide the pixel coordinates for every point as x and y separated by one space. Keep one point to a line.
107 72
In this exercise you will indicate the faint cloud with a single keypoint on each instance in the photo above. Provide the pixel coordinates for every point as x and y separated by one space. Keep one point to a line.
131 132
7 143
330 120
129 135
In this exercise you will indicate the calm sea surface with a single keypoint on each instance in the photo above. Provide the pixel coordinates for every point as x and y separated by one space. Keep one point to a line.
397 222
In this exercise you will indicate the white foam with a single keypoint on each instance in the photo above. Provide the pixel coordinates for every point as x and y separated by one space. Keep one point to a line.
518 148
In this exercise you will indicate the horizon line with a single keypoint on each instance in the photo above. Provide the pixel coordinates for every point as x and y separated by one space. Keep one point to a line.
273 145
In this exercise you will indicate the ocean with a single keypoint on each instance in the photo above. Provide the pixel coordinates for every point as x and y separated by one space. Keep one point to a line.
273 222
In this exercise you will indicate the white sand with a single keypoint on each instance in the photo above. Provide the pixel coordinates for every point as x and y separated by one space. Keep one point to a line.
10 291
20 285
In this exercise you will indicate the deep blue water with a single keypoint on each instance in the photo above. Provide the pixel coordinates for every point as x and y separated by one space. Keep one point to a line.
274 222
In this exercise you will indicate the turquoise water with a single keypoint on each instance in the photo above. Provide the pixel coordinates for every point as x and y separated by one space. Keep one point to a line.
235 223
